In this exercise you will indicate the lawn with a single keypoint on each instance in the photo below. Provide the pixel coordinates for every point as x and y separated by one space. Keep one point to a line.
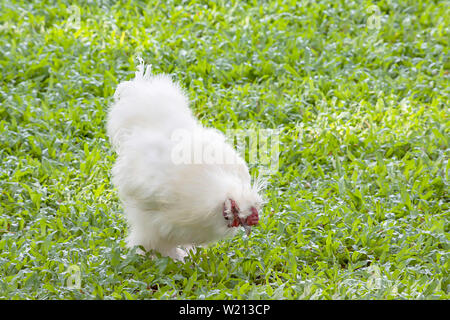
357 208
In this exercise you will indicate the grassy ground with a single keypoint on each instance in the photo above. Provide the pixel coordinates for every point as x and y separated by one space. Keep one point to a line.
359 206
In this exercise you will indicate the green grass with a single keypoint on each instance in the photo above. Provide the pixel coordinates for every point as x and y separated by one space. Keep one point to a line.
358 209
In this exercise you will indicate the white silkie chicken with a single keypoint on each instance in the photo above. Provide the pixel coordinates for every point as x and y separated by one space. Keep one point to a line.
181 184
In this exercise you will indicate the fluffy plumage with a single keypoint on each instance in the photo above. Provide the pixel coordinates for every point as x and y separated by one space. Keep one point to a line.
180 184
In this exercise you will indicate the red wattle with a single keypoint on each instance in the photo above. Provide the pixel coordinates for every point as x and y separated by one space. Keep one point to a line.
253 218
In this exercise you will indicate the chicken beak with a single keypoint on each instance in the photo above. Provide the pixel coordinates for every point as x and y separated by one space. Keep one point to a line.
251 220
247 228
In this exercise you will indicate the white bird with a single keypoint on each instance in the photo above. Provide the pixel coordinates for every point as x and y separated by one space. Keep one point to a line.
181 184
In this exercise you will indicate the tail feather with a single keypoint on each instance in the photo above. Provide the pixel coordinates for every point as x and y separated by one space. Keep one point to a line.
150 102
